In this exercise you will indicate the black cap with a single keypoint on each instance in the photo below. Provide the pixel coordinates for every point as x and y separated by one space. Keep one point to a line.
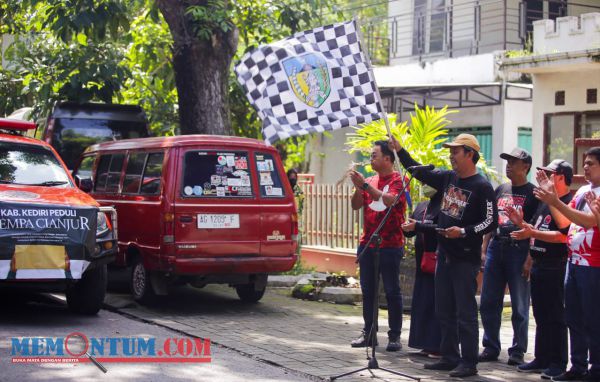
561 167
518 153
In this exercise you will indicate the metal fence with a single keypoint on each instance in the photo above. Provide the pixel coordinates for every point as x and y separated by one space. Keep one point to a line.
328 218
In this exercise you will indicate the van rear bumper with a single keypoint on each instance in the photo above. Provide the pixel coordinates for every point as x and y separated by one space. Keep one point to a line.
200 266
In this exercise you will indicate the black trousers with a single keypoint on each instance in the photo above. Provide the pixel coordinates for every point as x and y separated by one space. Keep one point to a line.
456 309
547 299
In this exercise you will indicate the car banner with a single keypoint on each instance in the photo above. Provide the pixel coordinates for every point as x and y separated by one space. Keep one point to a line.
45 242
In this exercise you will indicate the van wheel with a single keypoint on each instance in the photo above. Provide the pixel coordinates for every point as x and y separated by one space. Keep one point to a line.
247 293
141 286
87 295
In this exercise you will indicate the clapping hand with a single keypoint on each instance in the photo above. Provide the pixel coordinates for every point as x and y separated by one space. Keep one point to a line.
593 202
524 233
357 178
515 215
546 191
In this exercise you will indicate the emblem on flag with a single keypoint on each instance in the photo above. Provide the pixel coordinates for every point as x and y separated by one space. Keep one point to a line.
309 78
313 81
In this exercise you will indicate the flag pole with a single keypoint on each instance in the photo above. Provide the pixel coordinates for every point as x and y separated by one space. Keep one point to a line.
384 113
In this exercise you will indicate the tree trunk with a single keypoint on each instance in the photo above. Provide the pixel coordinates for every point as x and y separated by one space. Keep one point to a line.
201 71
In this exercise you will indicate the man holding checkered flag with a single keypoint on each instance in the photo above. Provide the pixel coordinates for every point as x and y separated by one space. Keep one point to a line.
320 80
313 81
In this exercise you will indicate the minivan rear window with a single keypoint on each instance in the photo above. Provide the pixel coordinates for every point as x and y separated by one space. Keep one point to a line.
268 176
216 174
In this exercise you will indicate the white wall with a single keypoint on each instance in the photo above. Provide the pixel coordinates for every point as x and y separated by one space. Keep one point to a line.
468 69
505 130
545 86
567 34
328 158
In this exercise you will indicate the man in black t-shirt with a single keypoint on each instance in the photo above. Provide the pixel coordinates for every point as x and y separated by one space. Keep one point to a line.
504 261
548 252
468 211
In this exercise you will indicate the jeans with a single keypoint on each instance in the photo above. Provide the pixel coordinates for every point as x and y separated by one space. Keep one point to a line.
456 309
504 265
547 299
389 268
582 306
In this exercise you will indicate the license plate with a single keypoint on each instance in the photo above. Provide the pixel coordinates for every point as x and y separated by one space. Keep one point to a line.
218 221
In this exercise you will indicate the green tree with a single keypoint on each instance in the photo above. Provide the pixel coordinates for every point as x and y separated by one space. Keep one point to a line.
65 50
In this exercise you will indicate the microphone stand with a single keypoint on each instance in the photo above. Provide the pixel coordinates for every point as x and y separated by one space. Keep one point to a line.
376 238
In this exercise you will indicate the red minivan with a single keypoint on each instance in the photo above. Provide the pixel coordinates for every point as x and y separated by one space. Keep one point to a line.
196 209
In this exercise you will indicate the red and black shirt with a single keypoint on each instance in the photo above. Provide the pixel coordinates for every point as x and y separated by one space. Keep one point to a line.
391 233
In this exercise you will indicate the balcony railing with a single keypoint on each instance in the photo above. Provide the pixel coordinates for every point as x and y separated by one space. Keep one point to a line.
474 27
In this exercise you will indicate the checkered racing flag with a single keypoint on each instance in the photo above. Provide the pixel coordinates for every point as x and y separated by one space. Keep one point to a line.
313 81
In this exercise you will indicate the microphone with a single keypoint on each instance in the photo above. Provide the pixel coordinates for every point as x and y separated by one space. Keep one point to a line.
421 167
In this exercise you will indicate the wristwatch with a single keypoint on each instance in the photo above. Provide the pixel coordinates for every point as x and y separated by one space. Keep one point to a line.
463 233
365 186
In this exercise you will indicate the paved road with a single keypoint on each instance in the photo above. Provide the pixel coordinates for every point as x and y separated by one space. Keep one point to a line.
309 337
46 316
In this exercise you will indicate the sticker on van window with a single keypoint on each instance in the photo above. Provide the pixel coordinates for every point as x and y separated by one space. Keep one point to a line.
220 191
269 163
197 190
188 190
230 160
245 181
244 191
240 173
265 179
234 182
227 170
222 160
241 164
215 180
219 169
273 191
262 166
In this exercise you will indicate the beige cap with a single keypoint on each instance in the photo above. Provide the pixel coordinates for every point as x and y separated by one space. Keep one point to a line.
464 140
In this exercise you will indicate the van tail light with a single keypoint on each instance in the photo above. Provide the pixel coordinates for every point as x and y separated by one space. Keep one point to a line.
295 227
168 228
49 130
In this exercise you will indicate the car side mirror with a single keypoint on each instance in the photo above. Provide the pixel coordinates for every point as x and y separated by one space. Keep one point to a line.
84 184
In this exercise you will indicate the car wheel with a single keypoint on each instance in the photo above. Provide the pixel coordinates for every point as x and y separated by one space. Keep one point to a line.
247 293
87 295
140 284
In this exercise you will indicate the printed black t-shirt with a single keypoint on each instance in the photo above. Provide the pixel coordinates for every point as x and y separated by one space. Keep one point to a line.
543 221
521 198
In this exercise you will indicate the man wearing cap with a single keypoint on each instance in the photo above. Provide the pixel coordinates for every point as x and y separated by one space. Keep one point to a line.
548 252
582 284
468 211
504 262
